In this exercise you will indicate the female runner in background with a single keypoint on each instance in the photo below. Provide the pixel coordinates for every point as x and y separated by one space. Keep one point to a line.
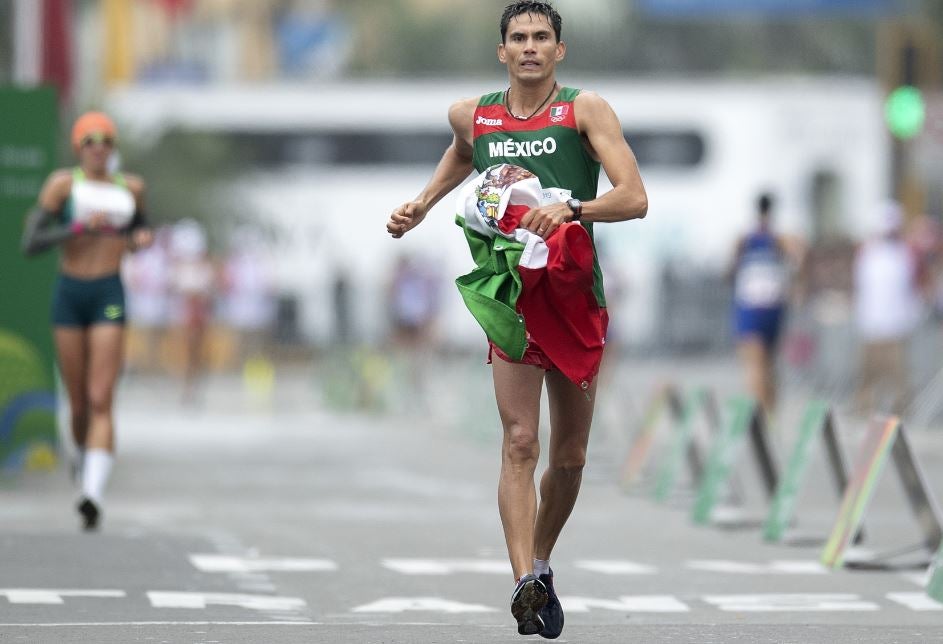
95 215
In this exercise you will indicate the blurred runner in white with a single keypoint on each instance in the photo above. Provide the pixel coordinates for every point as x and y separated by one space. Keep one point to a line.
148 275
887 311
193 282
248 305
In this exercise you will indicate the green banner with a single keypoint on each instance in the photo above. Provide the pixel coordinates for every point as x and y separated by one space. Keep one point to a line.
723 456
784 502
28 133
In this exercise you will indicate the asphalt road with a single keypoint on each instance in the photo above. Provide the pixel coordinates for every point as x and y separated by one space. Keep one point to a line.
286 521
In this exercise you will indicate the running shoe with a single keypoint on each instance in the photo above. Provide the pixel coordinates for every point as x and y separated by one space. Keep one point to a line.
528 599
90 513
552 612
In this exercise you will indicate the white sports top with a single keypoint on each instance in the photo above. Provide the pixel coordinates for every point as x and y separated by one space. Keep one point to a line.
113 199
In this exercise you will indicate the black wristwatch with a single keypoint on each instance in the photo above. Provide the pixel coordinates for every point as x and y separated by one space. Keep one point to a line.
577 207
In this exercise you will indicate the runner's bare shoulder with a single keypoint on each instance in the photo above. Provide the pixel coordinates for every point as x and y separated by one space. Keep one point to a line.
56 189
590 102
135 184
460 115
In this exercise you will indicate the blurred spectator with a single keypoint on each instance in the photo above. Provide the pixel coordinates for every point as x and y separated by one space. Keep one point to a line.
761 276
248 302
925 237
413 308
148 276
413 303
312 40
341 298
193 286
887 308
617 294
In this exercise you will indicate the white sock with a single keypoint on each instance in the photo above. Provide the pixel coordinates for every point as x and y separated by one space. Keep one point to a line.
541 567
95 473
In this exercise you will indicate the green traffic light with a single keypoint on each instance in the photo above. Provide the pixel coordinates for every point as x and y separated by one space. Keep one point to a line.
904 112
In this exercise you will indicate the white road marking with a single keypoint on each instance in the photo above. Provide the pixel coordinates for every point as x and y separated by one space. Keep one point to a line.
780 567
72 624
615 567
430 604
51 596
916 601
728 514
448 566
162 599
626 603
919 578
791 602
225 563
258 588
859 553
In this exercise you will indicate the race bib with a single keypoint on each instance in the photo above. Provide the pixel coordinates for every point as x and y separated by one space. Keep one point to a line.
761 284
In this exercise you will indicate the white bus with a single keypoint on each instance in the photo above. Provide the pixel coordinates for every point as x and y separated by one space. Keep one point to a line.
342 155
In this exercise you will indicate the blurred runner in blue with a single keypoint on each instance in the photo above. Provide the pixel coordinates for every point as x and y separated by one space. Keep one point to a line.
761 268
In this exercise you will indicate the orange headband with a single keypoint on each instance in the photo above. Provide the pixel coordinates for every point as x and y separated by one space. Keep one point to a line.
92 123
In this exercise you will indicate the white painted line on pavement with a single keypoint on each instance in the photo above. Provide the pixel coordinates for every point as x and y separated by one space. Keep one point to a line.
859 553
797 567
719 565
162 599
430 604
728 514
204 623
615 567
919 578
916 601
781 567
258 588
51 596
225 563
791 602
626 603
448 566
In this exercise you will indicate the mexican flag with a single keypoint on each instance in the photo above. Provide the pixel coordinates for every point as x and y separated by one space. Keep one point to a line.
526 288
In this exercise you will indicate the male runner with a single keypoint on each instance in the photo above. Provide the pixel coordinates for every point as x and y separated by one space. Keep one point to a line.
577 132
762 264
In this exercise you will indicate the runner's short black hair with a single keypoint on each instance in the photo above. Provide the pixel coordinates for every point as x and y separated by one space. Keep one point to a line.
765 203
538 7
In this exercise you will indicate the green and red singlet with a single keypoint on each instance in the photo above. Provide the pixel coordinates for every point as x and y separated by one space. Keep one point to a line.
548 144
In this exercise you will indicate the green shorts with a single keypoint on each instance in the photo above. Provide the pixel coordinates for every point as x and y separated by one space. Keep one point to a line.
82 303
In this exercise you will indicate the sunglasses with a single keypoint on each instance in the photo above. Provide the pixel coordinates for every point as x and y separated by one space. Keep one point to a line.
91 139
